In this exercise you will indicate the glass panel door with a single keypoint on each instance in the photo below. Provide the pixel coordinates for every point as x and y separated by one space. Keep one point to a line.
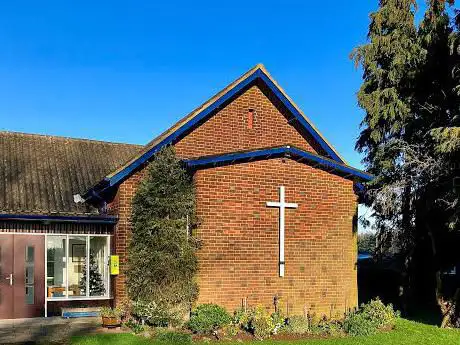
6 277
29 275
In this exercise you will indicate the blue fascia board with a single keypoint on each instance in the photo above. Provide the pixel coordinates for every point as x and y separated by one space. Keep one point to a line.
258 74
238 156
61 219
332 164
276 152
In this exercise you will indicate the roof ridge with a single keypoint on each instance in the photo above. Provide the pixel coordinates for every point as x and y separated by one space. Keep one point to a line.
61 137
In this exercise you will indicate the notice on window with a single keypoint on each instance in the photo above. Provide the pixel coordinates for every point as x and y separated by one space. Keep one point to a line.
114 265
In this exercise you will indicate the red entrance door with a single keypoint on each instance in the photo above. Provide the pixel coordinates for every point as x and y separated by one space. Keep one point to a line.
22 276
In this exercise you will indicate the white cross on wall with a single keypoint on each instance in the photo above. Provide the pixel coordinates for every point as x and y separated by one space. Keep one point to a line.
282 205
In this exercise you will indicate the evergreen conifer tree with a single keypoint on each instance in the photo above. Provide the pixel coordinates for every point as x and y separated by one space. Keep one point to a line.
410 136
389 60
161 256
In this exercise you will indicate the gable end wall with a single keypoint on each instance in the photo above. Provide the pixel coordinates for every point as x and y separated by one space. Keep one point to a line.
227 132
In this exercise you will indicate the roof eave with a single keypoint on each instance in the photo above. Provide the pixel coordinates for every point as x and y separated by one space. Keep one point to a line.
59 219
297 154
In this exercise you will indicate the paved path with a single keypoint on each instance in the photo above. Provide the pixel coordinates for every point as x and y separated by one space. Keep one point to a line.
51 330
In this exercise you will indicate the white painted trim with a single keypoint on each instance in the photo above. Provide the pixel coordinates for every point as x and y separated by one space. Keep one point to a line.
87 266
107 266
67 266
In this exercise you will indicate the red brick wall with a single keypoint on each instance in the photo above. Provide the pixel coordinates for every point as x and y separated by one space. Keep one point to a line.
239 257
227 130
240 235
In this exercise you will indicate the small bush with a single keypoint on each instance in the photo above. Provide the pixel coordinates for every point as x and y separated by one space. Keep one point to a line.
380 314
370 318
356 324
171 337
208 318
232 330
242 318
136 327
279 322
332 328
261 323
324 326
297 325
156 315
111 312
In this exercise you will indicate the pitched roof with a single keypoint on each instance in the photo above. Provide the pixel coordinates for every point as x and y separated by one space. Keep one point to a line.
206 110
39 174
291 152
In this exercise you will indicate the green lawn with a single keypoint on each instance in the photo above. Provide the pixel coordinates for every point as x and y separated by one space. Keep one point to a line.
406 332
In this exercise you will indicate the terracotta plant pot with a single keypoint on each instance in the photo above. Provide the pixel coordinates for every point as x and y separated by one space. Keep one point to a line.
110 321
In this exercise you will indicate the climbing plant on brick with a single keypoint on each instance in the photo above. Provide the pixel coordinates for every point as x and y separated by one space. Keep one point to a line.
161 256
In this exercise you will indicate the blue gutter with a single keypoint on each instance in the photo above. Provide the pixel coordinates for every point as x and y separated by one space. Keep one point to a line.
288 151
258 74
61 219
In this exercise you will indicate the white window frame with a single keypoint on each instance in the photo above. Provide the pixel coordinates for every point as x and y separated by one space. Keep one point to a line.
87 296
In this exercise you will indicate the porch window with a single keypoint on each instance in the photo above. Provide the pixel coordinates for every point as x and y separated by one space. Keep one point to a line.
70 260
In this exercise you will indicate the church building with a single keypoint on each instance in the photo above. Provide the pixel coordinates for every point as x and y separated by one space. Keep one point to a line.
276 203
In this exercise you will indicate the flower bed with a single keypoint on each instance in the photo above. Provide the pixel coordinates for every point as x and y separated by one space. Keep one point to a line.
210 322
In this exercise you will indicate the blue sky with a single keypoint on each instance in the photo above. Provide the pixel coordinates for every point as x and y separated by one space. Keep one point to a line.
125 71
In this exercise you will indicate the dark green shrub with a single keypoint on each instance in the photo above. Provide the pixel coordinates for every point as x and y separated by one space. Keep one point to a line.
171 337
297 325
208 318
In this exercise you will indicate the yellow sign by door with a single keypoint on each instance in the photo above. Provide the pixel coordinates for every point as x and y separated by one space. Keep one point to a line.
114 265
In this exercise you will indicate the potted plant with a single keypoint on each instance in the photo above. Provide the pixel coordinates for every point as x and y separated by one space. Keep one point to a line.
111 317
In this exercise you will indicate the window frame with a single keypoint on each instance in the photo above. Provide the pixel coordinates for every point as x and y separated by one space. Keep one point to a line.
68 256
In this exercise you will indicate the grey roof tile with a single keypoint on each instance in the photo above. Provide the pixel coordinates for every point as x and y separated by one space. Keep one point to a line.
39 174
